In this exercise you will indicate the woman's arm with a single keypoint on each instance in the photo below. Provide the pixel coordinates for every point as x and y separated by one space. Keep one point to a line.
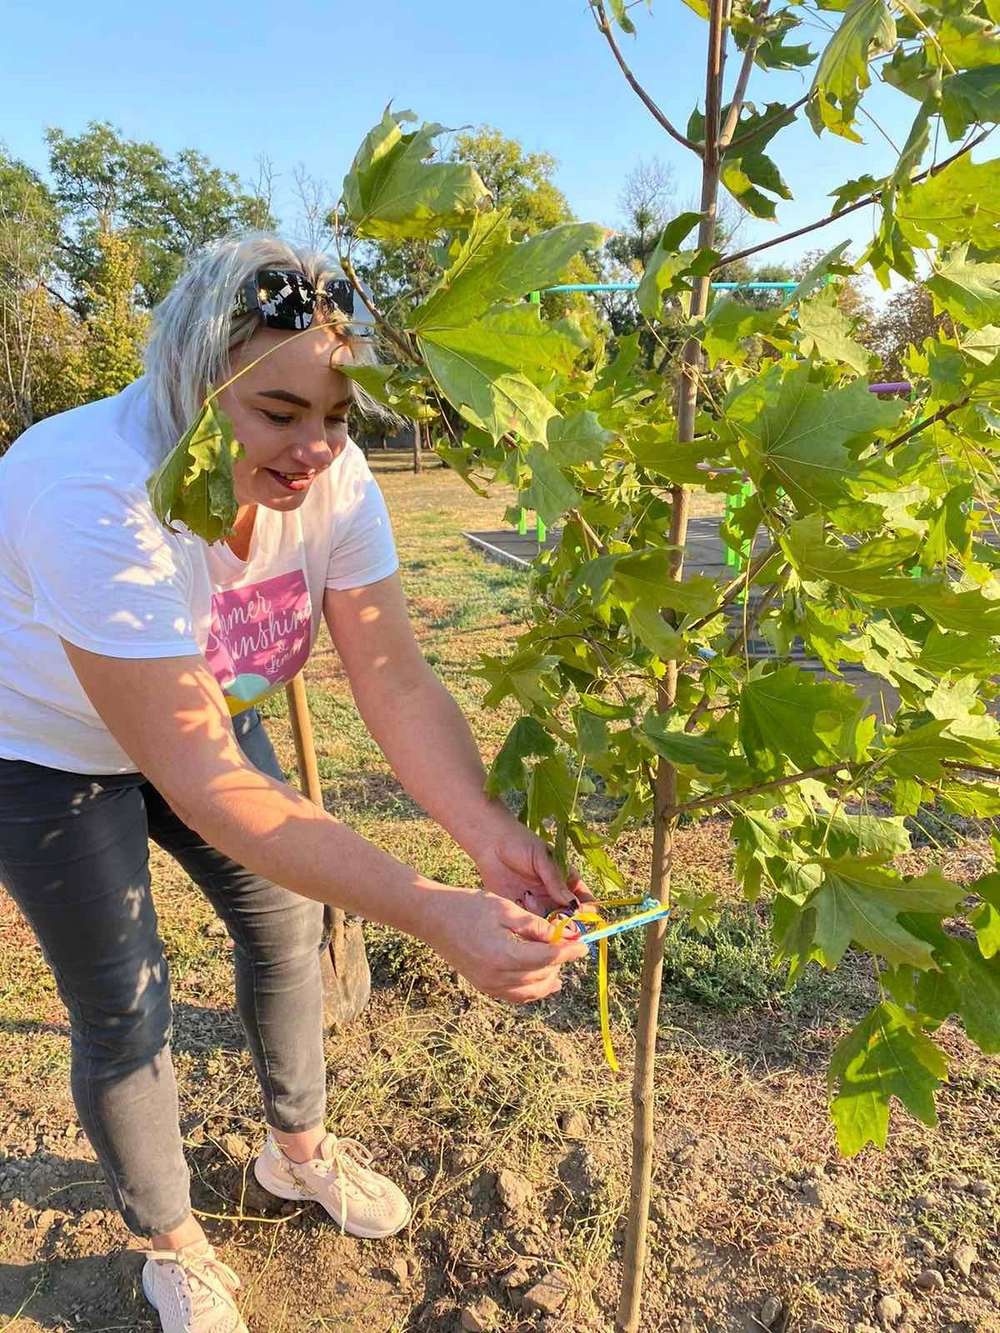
426 739
169 716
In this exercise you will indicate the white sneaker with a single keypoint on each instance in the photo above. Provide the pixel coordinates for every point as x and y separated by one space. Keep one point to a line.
359 1200
192 1291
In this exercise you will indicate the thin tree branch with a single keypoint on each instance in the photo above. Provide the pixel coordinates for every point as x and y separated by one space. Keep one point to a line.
740 90
724 798
604 27
851 208
980 769
59 297
735 645
742 139
753 617
940 415
733 589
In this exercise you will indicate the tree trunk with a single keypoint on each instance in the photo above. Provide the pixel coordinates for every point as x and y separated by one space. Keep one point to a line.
665 785
417 460
344 964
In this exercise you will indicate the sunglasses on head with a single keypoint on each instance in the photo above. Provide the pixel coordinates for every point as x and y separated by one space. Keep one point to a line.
284 298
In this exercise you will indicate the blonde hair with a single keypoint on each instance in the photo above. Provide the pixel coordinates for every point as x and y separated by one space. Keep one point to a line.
194 333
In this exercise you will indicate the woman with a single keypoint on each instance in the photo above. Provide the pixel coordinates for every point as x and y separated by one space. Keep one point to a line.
130 660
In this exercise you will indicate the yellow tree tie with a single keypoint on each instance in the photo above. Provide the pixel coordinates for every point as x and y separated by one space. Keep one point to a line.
595 930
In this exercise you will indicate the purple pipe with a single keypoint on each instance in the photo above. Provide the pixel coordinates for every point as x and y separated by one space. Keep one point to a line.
898 386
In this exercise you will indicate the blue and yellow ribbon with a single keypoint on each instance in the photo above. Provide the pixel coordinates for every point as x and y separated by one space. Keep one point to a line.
594 928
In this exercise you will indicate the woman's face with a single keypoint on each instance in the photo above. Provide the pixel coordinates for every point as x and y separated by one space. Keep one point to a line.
289 413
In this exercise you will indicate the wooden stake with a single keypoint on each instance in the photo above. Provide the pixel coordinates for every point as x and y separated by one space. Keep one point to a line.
346 975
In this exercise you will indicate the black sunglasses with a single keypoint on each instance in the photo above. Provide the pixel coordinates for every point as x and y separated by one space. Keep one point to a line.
286 299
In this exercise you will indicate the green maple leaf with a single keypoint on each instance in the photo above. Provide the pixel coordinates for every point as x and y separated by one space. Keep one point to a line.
974 799
863 568
741 175
799 432
527 739
816 276
577 439
593 850
842 73
620 11
549 493
487 393
657 450
841 834
643 587
485 356
985 920
646 575
853 190
860 902
194 483
885 1056
745 166
969 42
591 733
957 703
401 389
968 984
490 270
944 651
392 193
921 752
969 291
788 714
525 675
666 265
703 752
792 932
729 324
826 330
973 95
512 339
552 793
955 204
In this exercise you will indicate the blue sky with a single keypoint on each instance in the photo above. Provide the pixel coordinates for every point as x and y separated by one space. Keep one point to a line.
226 80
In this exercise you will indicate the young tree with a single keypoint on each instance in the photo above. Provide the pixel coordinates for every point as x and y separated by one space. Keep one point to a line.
870 521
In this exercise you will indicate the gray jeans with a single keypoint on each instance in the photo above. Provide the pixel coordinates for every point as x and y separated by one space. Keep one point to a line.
74 854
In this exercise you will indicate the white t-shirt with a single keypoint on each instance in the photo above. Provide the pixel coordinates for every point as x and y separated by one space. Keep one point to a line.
83 556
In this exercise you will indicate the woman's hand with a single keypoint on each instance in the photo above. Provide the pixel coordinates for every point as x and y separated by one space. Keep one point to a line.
518 865
503 950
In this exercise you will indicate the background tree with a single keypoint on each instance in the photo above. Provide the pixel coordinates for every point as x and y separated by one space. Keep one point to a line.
38 333
646 202
105 183
114 328
81 261
905 321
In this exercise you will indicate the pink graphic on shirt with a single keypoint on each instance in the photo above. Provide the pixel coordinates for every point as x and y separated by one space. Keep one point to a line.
259 637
